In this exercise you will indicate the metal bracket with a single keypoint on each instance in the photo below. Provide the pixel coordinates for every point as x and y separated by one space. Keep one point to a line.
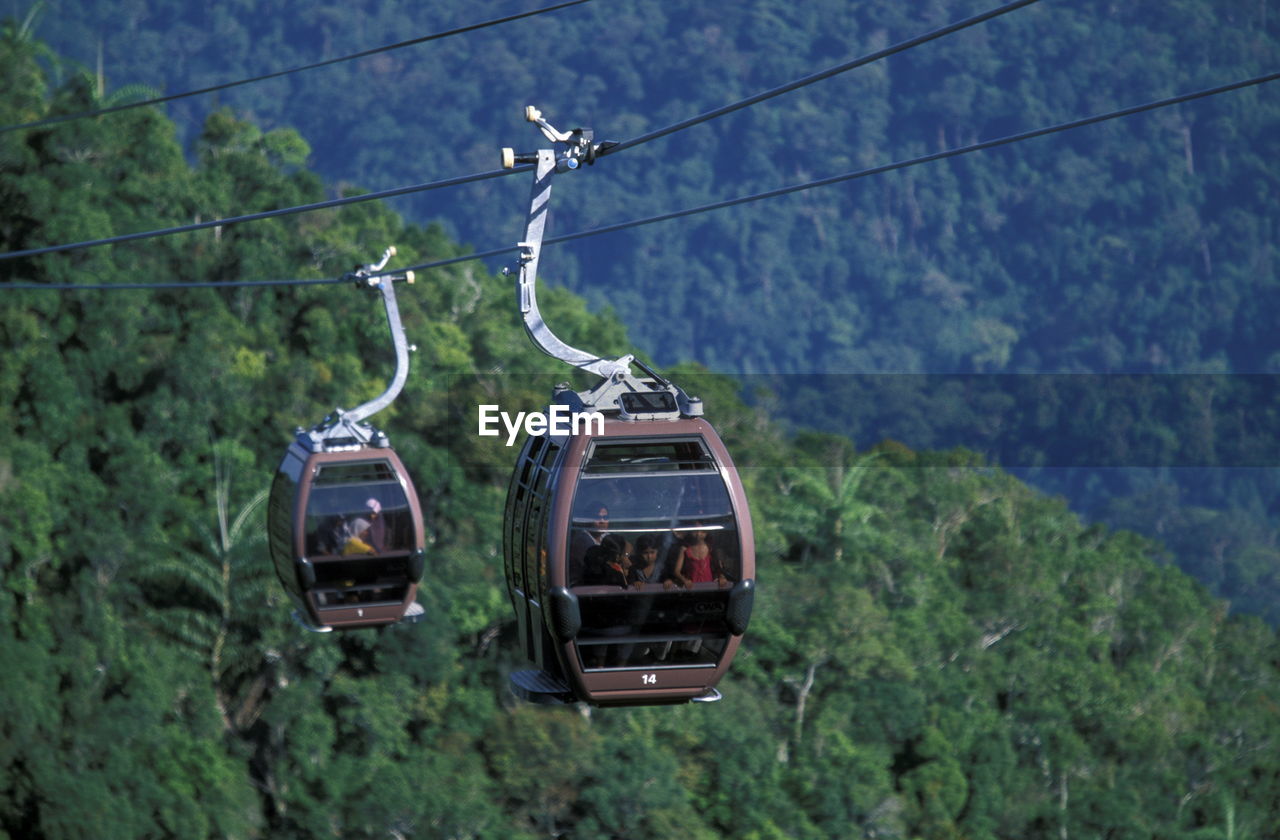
533 115
579 143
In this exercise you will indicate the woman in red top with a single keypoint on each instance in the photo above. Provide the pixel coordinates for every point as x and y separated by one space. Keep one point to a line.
698 562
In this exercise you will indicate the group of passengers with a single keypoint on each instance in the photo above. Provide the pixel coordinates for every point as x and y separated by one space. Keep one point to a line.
359 534
600 558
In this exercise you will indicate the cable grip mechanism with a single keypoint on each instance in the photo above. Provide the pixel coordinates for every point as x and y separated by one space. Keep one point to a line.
364 275
580 145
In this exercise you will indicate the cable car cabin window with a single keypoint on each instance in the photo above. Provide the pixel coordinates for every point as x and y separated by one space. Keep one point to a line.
357 509
280 520
514 516
532 543
654 551
648 456
524 548
341 583
676 629
359 533
537 568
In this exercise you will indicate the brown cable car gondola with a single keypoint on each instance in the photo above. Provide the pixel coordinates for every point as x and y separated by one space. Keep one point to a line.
637 478
343 521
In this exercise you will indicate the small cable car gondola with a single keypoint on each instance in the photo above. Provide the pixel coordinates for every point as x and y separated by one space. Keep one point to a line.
627 540
343 521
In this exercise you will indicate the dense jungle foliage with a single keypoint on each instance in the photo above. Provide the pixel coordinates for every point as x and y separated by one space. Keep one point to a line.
1146 245
938 650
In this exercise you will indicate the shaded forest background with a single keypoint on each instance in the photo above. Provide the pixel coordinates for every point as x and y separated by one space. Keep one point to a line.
973 661
1143 246
1121 247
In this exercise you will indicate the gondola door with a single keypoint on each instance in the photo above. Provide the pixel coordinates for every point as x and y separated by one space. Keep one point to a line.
526 552
535 557
525 541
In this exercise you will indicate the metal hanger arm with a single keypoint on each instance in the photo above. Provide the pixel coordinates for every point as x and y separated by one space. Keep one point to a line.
386 285
618 387
530 250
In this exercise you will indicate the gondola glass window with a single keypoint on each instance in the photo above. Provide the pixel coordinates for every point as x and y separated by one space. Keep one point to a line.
360 530
672 495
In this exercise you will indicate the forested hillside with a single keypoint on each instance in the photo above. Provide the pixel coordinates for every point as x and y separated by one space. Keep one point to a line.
1128 246
937 651
1145 245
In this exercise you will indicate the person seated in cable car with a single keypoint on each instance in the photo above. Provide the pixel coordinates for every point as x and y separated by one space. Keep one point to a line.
356 537
365 534
698 562
330 536
377 533
646 567
608 564
586 538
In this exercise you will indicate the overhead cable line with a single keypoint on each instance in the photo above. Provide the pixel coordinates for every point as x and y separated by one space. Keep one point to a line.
733 202
876 170
819 76
626 144
265 214
210 284
159 100
890 167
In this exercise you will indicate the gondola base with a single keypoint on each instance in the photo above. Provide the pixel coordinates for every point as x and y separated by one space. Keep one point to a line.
307 625
546 689
540 687
413 615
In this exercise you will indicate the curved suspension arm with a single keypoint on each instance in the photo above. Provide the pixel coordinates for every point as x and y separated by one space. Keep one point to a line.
530 248
616 380
386 285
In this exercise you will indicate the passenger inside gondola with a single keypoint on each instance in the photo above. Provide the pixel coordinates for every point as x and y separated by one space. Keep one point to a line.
348 521
367 532
669 608
328 537
356 540
697 561
645 563
359 533
377 533
591 527
608 565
